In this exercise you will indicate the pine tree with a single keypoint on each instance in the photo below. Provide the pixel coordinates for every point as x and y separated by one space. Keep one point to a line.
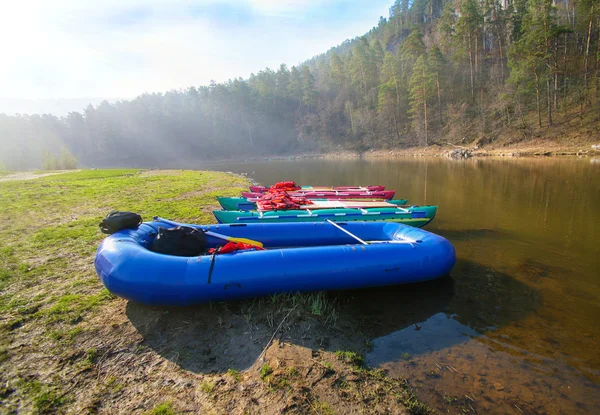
391 74
495 18
389 91
295 85
590 11
411 48
468 28
531 55
265 84
282 81
447 27
377 54
363 68
437 63
309 90
338 74
421 91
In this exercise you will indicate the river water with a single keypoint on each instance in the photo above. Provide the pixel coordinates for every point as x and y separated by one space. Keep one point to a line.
515 329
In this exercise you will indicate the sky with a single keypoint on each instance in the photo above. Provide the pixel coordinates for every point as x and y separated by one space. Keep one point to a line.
80 49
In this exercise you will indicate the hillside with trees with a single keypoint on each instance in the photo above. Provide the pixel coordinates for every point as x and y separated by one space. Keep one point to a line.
433 72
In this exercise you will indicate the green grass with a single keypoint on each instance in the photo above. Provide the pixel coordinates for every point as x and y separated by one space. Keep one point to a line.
235 374
353 358
207 387
67 335
48 286
114 384
265 371
162 409
92 356
322 408
319 304
51 227
45 399
414 405
276 380
327 365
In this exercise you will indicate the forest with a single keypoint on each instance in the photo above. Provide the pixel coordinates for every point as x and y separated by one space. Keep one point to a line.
433 72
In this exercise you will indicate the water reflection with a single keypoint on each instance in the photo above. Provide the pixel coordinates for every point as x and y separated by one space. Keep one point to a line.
481 300
469 234
438 332
486 299
377 312
475 355
526 282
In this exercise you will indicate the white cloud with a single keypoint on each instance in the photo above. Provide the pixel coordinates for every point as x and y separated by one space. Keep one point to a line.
69 48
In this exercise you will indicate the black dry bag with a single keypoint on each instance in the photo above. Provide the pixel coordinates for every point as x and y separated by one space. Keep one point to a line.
179 241
116 220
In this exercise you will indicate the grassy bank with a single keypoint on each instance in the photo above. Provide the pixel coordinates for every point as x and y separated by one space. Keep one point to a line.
69 346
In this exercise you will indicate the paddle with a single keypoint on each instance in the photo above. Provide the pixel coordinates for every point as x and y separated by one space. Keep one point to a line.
232 239
216 235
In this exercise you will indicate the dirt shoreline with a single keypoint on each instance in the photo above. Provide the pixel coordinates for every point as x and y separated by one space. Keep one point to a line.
467 152
529 149
522 150
29 175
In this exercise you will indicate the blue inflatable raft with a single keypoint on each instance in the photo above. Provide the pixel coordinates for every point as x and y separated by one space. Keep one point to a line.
299 257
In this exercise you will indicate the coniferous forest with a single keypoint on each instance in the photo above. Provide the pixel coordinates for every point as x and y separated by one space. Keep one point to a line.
434 72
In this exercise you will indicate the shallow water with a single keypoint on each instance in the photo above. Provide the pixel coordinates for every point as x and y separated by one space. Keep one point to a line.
517 331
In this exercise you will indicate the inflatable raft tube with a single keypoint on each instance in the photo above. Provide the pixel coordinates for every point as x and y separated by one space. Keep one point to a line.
262 189
241 203
316 257
417 216
334 195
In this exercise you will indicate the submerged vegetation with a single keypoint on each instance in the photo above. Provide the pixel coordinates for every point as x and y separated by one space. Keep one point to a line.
458 71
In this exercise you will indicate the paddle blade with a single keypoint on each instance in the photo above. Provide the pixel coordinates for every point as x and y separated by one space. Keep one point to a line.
246 241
